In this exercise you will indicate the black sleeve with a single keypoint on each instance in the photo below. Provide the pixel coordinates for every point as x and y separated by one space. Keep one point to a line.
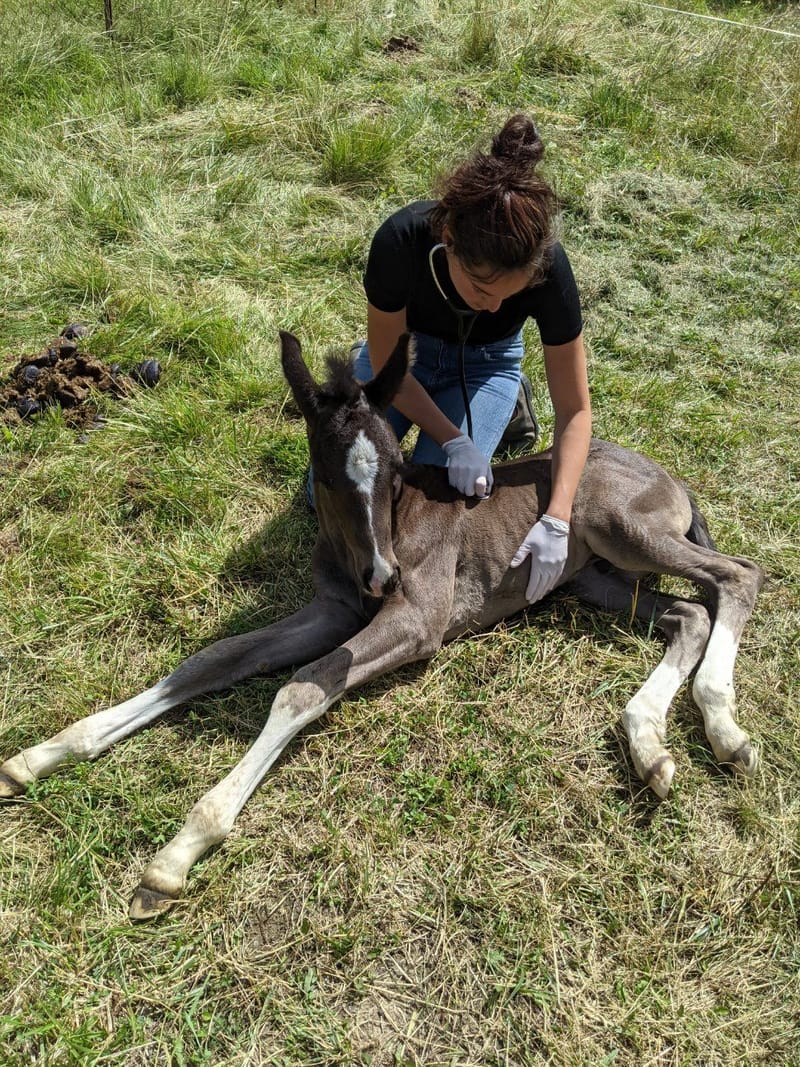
558 315
388 275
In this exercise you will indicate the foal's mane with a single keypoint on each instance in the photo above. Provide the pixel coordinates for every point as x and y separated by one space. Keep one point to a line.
340 385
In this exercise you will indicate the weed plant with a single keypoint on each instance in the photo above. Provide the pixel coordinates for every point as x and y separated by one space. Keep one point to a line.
458 866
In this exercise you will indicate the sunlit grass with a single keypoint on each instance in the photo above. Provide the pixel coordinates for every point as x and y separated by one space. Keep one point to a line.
457 866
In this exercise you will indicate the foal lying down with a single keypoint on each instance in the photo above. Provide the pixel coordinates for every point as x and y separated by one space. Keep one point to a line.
403 563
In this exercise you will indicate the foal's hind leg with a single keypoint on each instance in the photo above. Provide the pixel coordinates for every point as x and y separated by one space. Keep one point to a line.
735 582
310 632
732 584
686 626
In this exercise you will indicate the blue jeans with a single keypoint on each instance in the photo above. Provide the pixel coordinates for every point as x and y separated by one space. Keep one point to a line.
492 373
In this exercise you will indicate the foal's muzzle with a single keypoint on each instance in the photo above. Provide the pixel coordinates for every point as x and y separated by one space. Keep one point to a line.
376 586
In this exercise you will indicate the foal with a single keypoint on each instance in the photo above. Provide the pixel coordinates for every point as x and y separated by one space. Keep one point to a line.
403 563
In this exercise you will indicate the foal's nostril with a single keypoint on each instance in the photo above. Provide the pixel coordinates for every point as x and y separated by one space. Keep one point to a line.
375 587
393 583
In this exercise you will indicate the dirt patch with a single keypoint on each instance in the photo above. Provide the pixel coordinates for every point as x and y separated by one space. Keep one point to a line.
68 378
9 540
404 42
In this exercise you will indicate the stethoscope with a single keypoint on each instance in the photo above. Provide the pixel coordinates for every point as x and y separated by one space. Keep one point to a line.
465 320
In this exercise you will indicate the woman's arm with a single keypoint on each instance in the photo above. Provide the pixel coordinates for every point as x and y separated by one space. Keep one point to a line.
383 330
565 367
547 541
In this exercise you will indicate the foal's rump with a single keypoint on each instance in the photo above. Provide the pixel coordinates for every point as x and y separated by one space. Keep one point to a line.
631 512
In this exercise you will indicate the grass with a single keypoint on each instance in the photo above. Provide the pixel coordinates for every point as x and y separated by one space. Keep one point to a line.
457 866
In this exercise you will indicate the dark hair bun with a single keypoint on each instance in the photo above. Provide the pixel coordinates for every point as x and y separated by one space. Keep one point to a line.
518 142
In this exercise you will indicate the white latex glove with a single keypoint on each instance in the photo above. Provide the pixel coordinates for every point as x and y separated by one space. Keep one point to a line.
469 470
546 543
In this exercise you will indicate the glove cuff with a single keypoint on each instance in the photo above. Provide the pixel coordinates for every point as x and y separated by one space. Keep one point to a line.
454 442
554 524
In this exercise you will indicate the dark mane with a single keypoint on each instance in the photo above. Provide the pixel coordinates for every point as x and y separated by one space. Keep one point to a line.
341 385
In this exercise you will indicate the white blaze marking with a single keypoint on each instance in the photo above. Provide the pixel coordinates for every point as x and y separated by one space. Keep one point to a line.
362 469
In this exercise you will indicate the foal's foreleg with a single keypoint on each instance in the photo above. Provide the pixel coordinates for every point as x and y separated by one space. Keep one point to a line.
394 637
310 632
686 626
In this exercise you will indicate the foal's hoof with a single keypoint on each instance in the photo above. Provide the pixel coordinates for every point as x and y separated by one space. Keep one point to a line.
150 903
10 787
660 777
745 760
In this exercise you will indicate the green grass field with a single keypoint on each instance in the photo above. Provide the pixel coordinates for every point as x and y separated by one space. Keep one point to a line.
457 866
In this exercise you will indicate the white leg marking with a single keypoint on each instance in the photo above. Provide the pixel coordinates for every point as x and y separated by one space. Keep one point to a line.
715 696
362 469
88 737
714 681
211 819
645 722
647 710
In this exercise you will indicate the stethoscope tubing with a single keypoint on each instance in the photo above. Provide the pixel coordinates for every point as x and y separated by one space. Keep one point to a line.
465 320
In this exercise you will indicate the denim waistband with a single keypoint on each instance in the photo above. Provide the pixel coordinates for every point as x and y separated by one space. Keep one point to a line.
434 348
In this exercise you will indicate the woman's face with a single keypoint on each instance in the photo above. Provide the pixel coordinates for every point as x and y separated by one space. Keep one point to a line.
482 288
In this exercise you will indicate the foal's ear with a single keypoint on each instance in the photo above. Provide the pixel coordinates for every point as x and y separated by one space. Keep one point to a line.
304 388
382 389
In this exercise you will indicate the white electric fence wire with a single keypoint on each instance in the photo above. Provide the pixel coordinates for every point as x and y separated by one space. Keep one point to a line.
716 18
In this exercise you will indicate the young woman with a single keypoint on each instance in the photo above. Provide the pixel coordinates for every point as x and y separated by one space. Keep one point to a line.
463 273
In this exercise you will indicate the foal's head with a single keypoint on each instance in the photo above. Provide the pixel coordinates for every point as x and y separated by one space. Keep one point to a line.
356 458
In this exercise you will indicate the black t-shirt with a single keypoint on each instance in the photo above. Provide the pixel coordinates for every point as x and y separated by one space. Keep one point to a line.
398 276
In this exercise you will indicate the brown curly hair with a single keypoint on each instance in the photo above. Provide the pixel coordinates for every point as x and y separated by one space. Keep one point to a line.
498 210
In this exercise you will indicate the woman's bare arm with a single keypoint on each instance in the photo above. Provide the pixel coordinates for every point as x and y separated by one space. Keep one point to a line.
565 367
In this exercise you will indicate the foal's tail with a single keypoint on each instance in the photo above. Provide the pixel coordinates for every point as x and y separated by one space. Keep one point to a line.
698 531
